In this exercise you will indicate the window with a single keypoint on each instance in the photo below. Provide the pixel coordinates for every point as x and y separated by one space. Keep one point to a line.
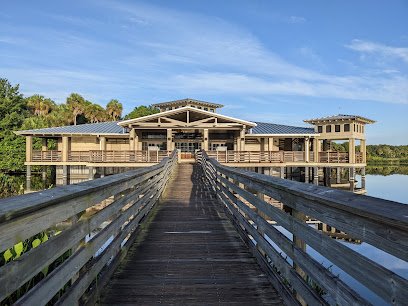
206 108
347 127
320 129
328 128
337 128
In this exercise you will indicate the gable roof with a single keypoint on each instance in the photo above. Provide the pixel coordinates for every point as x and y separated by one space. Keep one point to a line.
340 117
278 129
181 110
186 101
106 128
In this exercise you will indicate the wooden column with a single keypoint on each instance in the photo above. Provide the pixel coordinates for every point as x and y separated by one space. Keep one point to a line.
363 150
242 138
307 175
352 174
316 149
352 150
205 139
44 144
65 180
90 173
282 172
132 136
169 140
338 175
363 178
28 178
65 148
270 144
316 175
307 149
102 143
29 148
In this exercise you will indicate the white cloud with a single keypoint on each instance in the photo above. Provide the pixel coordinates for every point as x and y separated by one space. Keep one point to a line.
297 19
368 47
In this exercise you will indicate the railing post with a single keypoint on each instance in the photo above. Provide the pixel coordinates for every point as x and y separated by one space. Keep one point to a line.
297 242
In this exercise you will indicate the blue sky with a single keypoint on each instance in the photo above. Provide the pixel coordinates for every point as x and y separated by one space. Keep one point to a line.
272 61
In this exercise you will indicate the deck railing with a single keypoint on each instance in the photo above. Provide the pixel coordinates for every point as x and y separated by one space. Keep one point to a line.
333 157
102 156
283 254
89 227
46 156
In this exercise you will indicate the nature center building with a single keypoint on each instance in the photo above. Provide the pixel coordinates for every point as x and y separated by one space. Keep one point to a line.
87 151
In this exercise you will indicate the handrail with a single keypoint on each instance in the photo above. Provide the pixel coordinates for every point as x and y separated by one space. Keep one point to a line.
111 207
381 223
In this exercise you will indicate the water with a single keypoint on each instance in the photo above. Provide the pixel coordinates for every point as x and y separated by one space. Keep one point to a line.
387 182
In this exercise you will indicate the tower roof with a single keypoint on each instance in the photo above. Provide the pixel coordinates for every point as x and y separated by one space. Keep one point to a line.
340 117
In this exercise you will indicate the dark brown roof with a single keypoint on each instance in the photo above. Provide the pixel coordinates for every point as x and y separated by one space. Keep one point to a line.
340 117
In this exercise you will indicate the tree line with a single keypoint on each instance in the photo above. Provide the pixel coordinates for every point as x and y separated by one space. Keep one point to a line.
377 152
18 112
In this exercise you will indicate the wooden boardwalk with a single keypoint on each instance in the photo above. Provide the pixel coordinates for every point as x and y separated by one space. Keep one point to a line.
189 253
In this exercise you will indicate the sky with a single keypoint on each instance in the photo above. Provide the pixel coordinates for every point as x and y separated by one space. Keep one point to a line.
271 61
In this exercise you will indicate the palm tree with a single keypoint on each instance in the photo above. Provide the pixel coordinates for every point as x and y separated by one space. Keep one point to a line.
40 105
95 113
114 109
76 103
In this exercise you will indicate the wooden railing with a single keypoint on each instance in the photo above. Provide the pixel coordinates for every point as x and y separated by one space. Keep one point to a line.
102 156
333 157
90 228
359 157
48 156
294 272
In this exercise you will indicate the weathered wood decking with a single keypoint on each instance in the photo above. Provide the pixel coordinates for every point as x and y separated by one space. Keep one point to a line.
189 253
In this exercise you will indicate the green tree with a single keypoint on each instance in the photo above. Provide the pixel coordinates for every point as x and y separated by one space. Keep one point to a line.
39 105
114 109
141 111
76 103
95 113
13 111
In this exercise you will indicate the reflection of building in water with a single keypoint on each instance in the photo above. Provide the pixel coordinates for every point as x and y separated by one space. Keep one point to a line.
335 233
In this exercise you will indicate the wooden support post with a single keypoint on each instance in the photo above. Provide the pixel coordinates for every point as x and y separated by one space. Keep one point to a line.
44 174
307 149
65 178
65 148
28 178
102 170
169 140
44 144
282 172
363 178
260 194
307 175
205 139
363 150
301 245
29 148
242 138
338 175
316 149
270 144
352 150
90 173
132 136
352 174
316 175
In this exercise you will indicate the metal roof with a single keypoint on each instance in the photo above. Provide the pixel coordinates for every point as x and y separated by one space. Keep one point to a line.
187 100
340 117
111 127
271 128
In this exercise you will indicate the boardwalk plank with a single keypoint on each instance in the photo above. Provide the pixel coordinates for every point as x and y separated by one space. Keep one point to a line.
190 254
